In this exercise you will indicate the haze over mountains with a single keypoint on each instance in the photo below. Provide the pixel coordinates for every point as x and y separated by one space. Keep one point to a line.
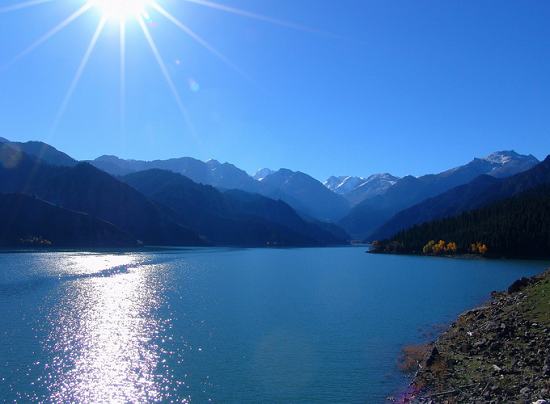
185 201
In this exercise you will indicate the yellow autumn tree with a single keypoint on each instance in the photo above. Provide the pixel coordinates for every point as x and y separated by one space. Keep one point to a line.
479 248
452 247
428 248
483 249
439 248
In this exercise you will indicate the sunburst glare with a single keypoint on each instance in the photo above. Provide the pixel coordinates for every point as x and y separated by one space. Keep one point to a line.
124 12
120 10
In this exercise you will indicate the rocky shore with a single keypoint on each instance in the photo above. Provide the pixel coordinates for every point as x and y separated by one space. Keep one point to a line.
498 353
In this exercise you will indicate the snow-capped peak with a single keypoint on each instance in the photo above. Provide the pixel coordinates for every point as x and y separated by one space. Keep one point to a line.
262 173
503 157
376 183
343 184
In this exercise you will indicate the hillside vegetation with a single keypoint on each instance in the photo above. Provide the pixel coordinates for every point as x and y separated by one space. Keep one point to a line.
515 227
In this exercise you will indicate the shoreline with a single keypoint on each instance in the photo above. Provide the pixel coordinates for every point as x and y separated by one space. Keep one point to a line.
461 256
498 352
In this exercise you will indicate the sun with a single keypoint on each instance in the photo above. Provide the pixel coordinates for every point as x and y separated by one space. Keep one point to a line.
120 10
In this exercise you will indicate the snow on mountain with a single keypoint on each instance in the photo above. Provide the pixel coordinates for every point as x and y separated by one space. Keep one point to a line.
357 189
262 173
371 213
502 157
343 184
507 163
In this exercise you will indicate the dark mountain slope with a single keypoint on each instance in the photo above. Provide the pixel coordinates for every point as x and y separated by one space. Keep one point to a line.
84 188
231 217
369 215
43 152
477 193
514 227
28 221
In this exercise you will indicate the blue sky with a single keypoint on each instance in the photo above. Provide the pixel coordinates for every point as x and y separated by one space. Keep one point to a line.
407 87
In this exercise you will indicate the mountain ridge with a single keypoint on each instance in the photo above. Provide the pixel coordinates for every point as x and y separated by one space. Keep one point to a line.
42 151
229 217
481 191
372 213
85 189
283 184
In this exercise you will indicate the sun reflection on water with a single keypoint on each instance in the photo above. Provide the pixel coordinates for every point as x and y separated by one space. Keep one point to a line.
106 336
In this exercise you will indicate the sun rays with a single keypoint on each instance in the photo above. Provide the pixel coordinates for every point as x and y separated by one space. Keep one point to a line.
44 38
23 5
80 70
165 73
141 12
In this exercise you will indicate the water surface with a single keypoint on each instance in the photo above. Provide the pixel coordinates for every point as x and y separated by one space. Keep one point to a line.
225 325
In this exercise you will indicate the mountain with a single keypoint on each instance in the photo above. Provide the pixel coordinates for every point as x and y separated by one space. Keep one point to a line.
343 184
31 222
482 191
515 227
358 189
212 172
230 217
117 166
262 173
83 188
508 163
372 213
43 152
305 194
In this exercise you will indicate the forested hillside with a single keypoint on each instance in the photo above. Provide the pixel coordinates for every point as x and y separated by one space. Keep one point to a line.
515 227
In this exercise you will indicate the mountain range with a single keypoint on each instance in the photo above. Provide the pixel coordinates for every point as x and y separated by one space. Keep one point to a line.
176 211
365 218
185 201
478 193
212 172
231 216
301 191
358 189
83 188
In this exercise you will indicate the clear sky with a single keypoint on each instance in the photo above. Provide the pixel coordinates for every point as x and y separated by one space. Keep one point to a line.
407 87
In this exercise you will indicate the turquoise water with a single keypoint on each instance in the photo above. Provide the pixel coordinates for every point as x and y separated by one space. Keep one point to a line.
225 325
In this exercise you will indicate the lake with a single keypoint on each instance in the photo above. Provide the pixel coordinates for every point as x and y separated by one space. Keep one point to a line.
226 325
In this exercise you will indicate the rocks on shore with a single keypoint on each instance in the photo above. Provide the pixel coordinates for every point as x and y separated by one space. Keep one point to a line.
499 353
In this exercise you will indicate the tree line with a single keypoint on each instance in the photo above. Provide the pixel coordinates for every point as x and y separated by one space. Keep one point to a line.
515 227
